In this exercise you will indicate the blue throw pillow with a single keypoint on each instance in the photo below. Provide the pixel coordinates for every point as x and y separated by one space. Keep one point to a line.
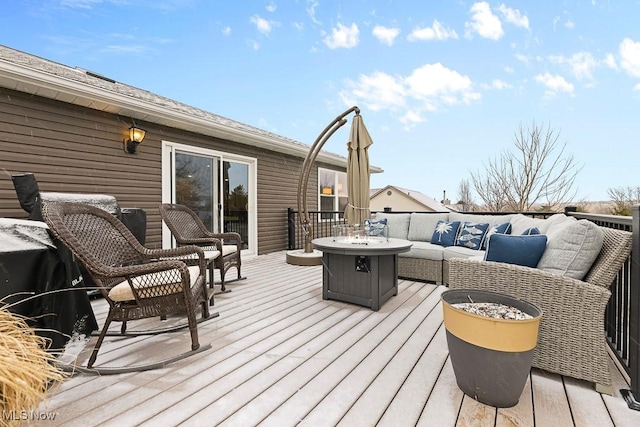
531 231
504 228
471 234
520 250
375 227
445 233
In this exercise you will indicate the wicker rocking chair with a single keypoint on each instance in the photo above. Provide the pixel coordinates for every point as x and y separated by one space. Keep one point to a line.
138 283
187 228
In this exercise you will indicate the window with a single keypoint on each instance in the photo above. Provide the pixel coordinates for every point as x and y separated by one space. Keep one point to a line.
332 192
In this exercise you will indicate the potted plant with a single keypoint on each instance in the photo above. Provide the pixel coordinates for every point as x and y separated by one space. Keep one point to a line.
491 339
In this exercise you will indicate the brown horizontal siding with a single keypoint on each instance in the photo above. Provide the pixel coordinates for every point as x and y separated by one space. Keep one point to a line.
79 150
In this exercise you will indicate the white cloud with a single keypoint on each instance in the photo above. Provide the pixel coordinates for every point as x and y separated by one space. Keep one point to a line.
271 7
438 84
428 88
630 57
411 118
226 30
311 10
80 4
554 84
298 26
610 61
378 91
386 35
513 16
483 22
582 64
264 26
497 84
436 32
342 36
637 87
570 25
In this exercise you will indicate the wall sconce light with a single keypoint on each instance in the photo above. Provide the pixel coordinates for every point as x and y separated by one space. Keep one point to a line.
136 135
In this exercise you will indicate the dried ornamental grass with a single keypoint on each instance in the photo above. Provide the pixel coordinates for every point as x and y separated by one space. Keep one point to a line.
27 371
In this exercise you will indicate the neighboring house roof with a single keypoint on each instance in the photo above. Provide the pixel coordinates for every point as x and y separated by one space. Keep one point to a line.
34 75
418 197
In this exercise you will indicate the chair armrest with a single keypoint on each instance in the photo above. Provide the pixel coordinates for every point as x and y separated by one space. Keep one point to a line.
231 236
514 278
181 253
217 240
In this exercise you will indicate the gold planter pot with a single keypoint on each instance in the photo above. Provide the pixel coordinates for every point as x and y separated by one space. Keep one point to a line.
491 358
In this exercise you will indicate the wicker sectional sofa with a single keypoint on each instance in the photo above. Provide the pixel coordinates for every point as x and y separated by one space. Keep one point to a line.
427 261
573 296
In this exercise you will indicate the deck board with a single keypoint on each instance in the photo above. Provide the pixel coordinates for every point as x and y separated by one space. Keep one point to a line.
282 356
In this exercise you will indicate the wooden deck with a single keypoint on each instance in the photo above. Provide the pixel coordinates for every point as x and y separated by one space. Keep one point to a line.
282 356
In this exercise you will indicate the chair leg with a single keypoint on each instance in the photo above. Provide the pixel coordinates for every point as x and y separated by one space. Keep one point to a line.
211 275
96 348
205 303
193 328
222 287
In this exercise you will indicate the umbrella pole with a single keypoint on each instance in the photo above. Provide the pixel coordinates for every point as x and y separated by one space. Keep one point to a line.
303 213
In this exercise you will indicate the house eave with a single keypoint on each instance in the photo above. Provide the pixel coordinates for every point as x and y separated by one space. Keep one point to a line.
35 82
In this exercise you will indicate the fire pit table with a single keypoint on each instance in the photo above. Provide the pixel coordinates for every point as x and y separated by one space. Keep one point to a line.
362 270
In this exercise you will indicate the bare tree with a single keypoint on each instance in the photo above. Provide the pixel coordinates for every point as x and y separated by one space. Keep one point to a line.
623 199
465 197
537 172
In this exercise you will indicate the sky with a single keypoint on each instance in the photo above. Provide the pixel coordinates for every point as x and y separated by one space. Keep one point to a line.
443 85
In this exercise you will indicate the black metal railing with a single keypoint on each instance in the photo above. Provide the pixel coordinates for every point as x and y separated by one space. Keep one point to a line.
622 316
238 222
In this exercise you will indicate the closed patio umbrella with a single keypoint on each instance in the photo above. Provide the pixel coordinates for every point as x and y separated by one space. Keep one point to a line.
357 209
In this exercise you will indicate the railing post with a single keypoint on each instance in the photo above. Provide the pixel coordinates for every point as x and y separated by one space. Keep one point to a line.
632 395
291 229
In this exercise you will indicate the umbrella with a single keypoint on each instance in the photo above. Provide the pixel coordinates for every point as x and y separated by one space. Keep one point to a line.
358 173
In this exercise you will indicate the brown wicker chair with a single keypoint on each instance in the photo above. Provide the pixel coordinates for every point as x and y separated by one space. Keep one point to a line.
187 228
571 340
137 282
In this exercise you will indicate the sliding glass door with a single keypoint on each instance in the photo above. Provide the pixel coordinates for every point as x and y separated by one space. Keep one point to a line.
219 187
195 182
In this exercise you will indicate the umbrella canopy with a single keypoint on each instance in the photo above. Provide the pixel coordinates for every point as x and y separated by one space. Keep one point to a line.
358 173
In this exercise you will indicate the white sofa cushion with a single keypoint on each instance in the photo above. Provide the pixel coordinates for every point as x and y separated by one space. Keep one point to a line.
460 252
422 225
520 223
491 219
398 224
424 250
572 247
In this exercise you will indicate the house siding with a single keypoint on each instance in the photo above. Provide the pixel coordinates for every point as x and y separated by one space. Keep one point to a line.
79 150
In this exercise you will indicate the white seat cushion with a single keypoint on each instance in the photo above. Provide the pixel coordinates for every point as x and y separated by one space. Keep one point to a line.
209 255
229 249
460 252
424 250
122 291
